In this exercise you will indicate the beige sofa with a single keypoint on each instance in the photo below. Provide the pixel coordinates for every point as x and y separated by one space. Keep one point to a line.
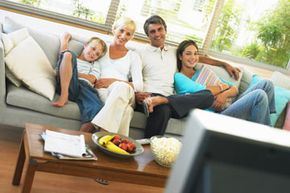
19 105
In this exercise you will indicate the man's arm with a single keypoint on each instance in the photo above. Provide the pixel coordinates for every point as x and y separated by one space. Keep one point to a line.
229 68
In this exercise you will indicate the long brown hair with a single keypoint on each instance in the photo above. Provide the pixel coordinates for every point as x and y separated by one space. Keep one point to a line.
180 49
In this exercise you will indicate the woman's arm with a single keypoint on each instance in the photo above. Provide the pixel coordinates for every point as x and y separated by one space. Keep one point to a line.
136 72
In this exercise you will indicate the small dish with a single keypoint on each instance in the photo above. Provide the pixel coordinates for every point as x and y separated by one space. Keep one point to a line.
96 136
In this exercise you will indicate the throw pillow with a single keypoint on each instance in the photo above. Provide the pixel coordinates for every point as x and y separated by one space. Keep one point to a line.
49 43
9 41
28 63
209 78
282 97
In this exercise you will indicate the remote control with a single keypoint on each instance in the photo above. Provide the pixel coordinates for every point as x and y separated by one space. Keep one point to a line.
143 141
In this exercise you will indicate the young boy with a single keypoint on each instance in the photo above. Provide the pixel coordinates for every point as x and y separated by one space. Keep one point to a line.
76 76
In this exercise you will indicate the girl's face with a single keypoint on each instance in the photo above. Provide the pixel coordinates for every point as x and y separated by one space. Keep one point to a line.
189 57
92 51
123 34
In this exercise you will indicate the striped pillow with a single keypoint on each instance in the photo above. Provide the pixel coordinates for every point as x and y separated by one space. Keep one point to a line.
207 77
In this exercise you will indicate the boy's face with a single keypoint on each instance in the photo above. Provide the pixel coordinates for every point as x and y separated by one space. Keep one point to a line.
157 35
92 51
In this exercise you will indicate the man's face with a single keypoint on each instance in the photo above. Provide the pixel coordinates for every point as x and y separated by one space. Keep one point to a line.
157 35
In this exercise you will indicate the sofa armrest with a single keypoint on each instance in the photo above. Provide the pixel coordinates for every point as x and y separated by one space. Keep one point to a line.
286 125
2 75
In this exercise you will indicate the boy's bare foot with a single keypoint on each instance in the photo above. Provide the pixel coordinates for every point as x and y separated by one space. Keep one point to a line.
61 101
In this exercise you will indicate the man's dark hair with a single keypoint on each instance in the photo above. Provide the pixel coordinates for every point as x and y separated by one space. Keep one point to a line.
154 19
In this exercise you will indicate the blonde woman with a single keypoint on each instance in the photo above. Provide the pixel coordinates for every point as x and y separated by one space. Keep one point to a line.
121 77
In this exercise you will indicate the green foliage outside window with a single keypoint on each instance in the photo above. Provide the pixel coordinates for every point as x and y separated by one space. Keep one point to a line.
228 23
273 37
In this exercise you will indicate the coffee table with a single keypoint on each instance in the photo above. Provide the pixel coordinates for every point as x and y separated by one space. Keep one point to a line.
141 169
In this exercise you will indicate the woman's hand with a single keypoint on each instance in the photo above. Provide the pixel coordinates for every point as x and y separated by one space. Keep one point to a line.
219 102
89 77
104 82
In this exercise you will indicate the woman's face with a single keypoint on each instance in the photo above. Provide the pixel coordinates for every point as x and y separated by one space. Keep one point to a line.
189 57
123 34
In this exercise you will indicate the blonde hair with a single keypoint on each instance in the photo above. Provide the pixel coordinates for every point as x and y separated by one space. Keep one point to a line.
125 21
99 41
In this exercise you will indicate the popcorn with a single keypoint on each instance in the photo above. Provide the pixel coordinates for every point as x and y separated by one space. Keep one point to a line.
165 150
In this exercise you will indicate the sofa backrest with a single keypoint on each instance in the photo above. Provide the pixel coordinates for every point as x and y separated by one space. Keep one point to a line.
48 42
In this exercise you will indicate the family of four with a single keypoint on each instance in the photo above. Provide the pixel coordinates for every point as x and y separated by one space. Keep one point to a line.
109 81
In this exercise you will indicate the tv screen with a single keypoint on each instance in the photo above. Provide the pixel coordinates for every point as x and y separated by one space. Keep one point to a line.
222 154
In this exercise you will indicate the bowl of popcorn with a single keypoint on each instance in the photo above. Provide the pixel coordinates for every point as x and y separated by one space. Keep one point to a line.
165 149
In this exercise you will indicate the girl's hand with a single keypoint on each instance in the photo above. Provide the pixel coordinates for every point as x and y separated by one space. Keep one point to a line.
220 101
104 82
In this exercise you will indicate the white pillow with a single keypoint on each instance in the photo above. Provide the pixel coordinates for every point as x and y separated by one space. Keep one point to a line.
29 64
12 39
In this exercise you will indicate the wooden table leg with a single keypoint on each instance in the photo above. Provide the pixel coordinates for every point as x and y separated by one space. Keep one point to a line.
32 165
20 163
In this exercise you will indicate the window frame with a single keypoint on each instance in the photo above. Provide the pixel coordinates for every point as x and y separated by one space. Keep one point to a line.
112 13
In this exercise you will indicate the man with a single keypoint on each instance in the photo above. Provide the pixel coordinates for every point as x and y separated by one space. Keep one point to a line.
159 66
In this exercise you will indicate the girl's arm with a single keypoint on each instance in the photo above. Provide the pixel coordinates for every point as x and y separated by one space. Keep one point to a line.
221 99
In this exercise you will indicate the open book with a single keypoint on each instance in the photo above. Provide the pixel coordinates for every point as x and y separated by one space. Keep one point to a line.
65 146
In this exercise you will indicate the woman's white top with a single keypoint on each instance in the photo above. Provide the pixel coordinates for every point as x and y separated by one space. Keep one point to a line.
127 68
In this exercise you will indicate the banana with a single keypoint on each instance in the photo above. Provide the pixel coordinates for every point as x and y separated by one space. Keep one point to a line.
112 147
105 139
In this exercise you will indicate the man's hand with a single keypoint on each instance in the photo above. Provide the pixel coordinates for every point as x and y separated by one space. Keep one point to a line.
140 96
233 71
104 82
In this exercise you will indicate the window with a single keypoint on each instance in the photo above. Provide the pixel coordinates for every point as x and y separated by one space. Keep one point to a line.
247 29
185 18
95 11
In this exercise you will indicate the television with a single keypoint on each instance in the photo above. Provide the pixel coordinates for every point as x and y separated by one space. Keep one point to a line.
221 154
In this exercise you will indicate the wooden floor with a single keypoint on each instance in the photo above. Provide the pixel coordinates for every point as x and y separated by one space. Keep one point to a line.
52 183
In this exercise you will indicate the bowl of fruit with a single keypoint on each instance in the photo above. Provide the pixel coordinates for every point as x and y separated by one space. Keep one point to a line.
117 145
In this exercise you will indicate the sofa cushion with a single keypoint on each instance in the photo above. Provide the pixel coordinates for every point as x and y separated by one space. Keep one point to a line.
23 98
27 61
281 80
48 42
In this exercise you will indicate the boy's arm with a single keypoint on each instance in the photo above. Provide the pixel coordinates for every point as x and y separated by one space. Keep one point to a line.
64 41
229 68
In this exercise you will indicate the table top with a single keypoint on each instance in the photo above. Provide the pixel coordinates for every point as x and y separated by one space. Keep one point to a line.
143 163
